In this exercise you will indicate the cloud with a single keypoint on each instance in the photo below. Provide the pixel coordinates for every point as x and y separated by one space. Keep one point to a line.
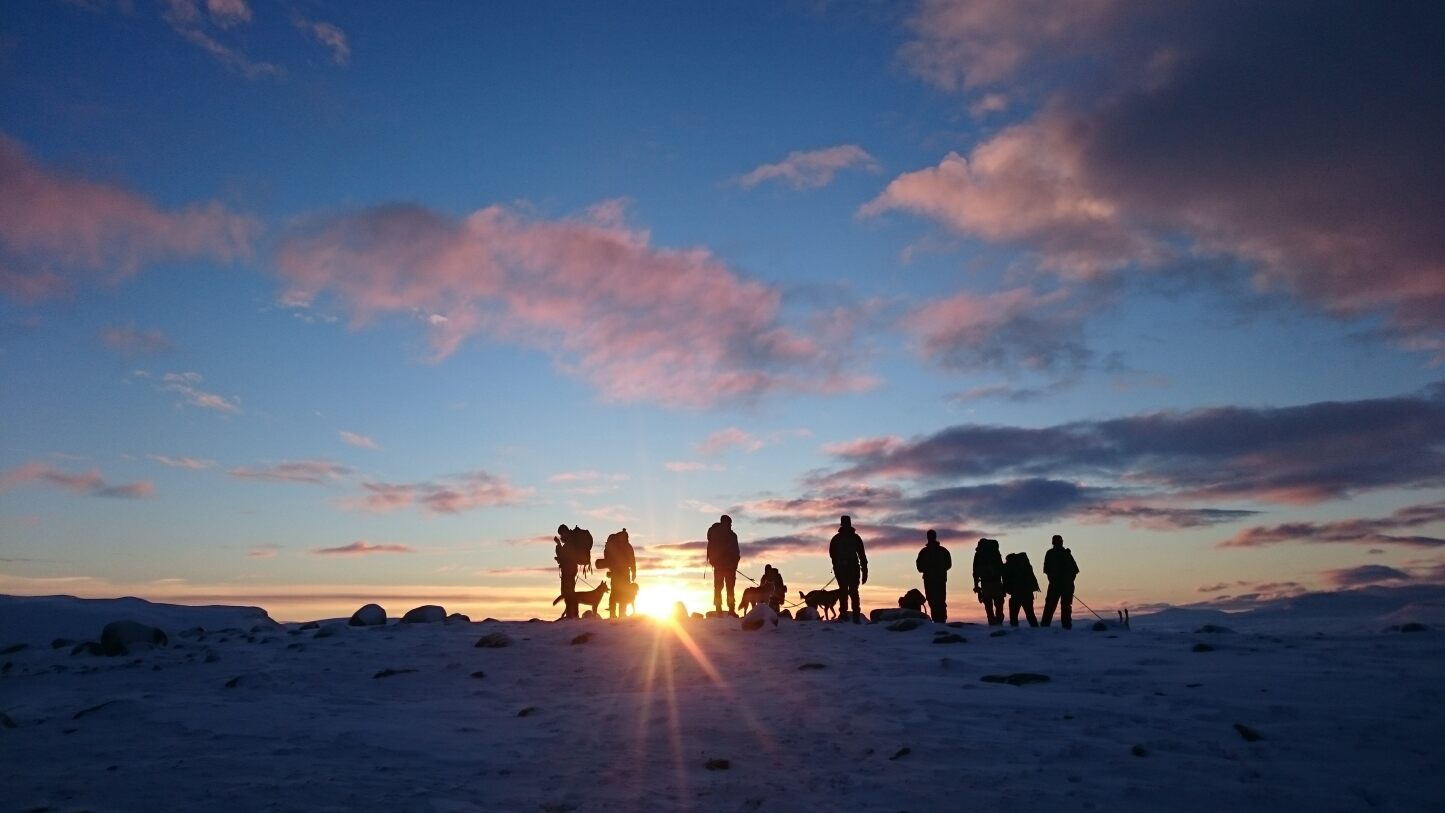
1370 532
57 231
227 13
329 35
588 482
729 438
90 483
684 466
1256 133
639 323
313 472
263 551
129 341
812 168
185 18
184 385
1363 575
1013 393
1296 455
359 441
362 548
192 463
451 495
1007 329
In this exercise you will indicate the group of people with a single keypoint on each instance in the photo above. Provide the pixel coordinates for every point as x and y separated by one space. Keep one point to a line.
994 575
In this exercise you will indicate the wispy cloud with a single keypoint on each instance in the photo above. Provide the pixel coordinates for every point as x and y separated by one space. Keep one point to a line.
90 483
187 385
363 548
186 19
1360 531
357 440
263 551
1364 575
448 495
729 438
313 472
329 35
192 463
130 341
685 466
810 168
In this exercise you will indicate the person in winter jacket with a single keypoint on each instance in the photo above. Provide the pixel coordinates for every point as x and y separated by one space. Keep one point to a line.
723 555
850 567
988 579
1020 583
1060 569
933 562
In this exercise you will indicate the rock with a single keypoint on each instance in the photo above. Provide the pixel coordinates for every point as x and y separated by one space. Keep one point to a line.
389 672
13 648
92 709
806 614
904 625
1202 648
582 639
1100 626
5 721
1213 629
761 615
1249 734
425 614
86 648
120 637
61 643
527 712
998 633
310 625
1016 679
896 614
331 630
717 765
591 615
370 615
786 613
494 640
958 624
1413 626
949 638
1139 751
193 632
698 617
812 667
901 753
479 674
458 618
720 614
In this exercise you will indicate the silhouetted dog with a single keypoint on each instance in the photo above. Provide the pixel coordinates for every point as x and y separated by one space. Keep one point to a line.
754 596
592 597
826 599
912 600
624 598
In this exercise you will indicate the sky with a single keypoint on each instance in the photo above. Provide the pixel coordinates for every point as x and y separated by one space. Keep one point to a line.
307 304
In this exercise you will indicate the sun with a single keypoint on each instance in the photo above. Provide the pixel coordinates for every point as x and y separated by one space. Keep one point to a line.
657 599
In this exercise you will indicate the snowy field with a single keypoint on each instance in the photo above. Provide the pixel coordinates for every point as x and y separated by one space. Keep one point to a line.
1320 712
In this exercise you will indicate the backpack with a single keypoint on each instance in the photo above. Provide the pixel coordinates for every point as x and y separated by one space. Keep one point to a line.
577 547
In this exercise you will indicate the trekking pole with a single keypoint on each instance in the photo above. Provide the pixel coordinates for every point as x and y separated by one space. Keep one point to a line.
1087 607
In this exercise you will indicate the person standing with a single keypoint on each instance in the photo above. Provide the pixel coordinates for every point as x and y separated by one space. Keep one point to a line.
850 567
934 562
1020 583
622 566
568 542
772 583
988 579
723 556
1060 569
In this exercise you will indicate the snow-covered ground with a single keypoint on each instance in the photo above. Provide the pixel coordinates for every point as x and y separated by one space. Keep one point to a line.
807 716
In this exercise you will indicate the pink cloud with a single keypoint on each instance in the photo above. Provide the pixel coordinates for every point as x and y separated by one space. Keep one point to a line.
130 341
639 323
90 483
314 472
683 466
185 385
263 552
329 35
359 441
362 548
812 168
185 18
1018 326
729 438
57 231
192 463
452 495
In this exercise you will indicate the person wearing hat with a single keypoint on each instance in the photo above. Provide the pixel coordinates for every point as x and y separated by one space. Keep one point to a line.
723 556
850 567
933 562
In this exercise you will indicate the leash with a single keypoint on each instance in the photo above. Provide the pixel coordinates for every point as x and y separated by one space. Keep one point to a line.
1087 607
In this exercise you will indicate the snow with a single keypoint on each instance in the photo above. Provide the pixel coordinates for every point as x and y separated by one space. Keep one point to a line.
629 720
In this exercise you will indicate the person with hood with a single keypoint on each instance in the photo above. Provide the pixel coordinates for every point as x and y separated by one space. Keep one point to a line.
1060 569
988 579
772 582
850 567
723 556
621 563
1020 583
574 550
933 562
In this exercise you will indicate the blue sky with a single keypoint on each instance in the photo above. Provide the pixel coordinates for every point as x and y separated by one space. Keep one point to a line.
510 248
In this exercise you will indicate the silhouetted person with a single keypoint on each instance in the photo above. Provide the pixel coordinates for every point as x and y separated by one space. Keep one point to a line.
934 562
1060 568
1020 583
850 567
723 555
622 567
772 581
574 550
988 579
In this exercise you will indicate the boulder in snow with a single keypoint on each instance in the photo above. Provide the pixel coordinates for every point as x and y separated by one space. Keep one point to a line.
759 616
806 614
458 618
121 637
895 614
494 640
425 614
371 615
905 624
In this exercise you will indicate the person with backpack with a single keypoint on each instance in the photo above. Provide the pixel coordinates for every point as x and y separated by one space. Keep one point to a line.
1060 569
574 551
723 556
850 567
988 579
621 563
1020 583
933 562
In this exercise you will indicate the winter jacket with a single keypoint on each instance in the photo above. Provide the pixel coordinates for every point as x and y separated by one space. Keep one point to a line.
846 551
934 561
1059 565
722 547
1018 575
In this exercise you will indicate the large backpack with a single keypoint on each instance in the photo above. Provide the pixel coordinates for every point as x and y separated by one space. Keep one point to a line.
577 547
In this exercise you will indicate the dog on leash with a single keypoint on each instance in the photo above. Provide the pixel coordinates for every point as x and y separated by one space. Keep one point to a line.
754 596
592 597
826 599
624 599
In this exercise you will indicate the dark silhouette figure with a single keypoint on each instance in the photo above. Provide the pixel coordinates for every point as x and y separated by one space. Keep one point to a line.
850 566
1020 583
723 555
1060 569
988 579
621 563
934 562
772 583
574 550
